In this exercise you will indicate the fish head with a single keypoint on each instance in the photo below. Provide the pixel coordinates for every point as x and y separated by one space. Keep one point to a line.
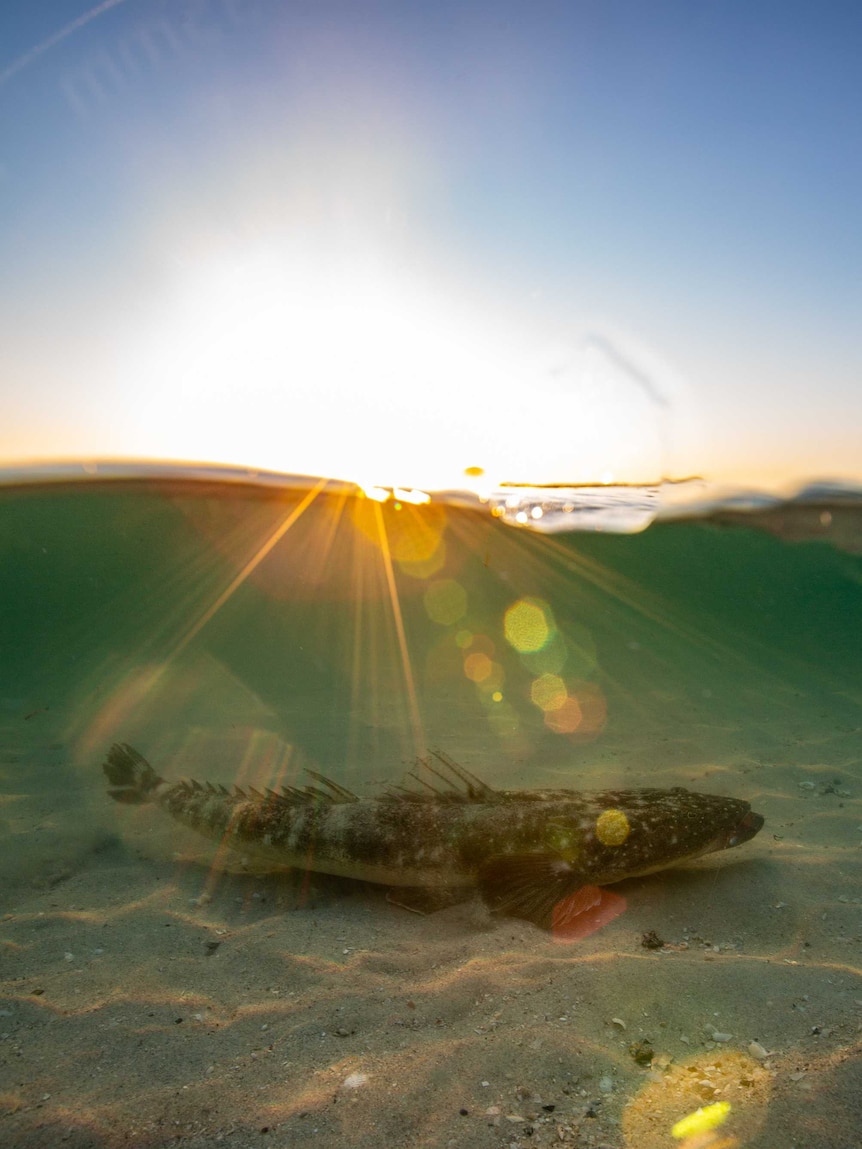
636 832
591 840
741 831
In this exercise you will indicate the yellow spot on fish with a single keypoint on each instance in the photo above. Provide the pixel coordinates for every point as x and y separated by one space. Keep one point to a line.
612 828
702 1120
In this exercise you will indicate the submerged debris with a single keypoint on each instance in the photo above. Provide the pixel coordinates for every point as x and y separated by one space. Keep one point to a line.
642 1052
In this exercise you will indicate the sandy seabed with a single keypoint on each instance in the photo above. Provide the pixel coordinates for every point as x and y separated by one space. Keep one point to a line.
150 999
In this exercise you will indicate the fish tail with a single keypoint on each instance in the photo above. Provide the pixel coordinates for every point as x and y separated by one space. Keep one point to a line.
132 778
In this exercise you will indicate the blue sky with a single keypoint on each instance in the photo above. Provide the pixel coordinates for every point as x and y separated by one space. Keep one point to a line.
199 200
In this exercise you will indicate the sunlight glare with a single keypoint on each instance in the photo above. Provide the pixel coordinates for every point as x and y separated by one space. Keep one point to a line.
296 360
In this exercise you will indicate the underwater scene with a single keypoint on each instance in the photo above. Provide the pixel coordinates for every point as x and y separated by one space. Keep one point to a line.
345 818
430 575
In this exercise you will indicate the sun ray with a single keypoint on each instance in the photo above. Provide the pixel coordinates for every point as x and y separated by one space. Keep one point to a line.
385 551
225 849
544 565
360 673
139 676
257 558
548 559
735 647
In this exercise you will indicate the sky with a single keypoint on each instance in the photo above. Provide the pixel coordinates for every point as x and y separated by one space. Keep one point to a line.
394 242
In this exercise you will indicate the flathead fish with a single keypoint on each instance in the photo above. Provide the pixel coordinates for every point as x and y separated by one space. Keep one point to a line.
527 851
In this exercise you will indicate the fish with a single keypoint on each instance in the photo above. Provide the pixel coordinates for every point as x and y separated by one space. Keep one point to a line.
527 852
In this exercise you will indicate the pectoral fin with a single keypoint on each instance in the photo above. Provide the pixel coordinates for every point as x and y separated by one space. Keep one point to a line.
547 890
527 886
585 912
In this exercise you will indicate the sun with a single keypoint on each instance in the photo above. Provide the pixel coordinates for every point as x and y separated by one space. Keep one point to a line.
299 361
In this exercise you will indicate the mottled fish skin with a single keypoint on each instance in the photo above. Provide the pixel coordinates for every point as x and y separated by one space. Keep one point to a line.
449 829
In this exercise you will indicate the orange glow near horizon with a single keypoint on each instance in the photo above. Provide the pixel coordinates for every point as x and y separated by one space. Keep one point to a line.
303 362
304 358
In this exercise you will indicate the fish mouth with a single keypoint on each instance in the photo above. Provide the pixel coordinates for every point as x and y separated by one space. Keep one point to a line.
744 830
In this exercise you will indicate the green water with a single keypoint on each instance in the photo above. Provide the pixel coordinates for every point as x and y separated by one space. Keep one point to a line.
231 633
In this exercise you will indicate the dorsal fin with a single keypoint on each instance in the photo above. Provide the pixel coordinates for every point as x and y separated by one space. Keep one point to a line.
315 794
328 792
333 792
476 790
291 794
436 778
443 780
395 793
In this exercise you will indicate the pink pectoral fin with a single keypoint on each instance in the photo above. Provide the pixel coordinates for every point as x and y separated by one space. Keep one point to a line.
584 912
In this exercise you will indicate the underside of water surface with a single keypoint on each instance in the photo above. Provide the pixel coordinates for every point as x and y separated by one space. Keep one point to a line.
244 629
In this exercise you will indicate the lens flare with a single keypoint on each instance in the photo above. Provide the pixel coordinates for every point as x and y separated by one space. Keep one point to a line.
528 625
565 719
478 666
548 692
445 602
